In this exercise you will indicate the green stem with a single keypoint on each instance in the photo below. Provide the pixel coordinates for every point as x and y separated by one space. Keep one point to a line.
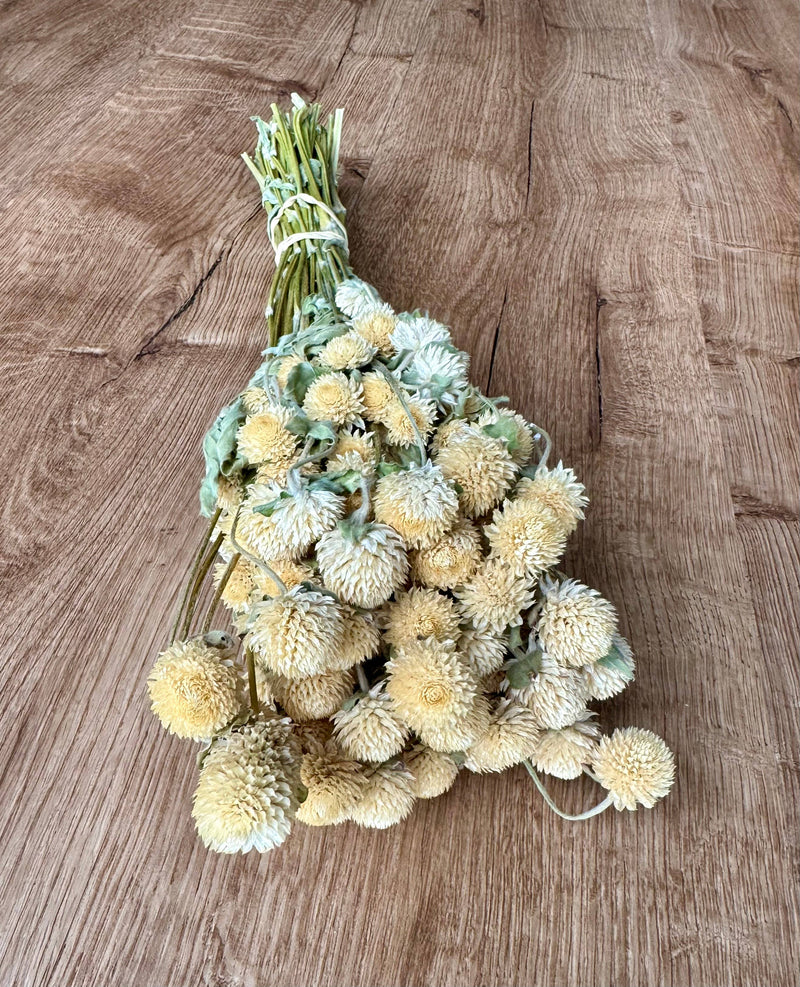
391 380
199 578
596 810
194 566
254 558
218 595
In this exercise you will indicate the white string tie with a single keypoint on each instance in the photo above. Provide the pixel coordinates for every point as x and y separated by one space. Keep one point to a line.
336 233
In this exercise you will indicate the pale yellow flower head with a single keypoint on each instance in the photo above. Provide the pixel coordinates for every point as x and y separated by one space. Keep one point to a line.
434 772
496 596
370 729
297 634
388 797
192 690
436 694
230 493
420 613
298 520
610 674
353 451
286 366
377 396
526 535
314 697
484 650
557 489
336 398
376 324
635 766
451 560
448 431
361 639
312 736
563 753
255 532
290 573
347 352
399 427
557 695
256 401
576 625
482 468
511 737
239 586
246 796
363 565
264 438
521 430
418 502
334 783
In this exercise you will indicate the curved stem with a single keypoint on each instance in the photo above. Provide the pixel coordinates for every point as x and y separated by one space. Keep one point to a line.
539 433
360 516
194 567
254 558
200 576
595 811
591 774
218 595
315 458
363 681
391 380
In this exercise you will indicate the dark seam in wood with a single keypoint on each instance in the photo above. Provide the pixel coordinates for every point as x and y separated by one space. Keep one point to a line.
599 303
530 152
496 338
745 505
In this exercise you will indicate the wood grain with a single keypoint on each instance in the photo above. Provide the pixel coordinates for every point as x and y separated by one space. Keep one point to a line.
601 198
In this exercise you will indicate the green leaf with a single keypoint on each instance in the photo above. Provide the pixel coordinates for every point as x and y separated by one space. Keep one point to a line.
520 671
504 428
220 453
271 506
300 378
617 661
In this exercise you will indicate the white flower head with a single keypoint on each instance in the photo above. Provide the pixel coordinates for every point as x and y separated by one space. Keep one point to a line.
412 334
418 502
610 674
370 730
495 597
355 295
563 753
576 625
363 565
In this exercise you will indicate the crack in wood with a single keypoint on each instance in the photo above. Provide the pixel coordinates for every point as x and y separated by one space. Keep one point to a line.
530 152
746 505
496 338
599 303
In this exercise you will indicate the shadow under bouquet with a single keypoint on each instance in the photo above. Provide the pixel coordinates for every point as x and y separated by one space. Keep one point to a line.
386 539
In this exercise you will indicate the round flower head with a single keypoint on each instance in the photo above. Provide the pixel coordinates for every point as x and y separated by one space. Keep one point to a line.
448 432
420 613
354 296
315 697
377 396
399 427
286 366
362 564
451 560
296 634
370 730
346 352
635 766
302 518
376 324
483 650
237 590
335 398
256 400
559 490
334 784
526 535
230 493
361 639
495 596
610 674
289 572
246 796
576 625
520 446
255 532
411 335
563 753
192 690
312 736
418 502
435 693
387 799
511 737
438 370
482 468
434 772
557 695
264 437
353 451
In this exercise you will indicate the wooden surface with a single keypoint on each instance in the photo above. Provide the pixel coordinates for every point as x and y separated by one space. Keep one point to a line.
601 198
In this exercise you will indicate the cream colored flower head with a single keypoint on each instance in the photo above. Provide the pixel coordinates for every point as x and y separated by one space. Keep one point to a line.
576 625
289 572
436 695
635 766
450 561
334 784
411 335
399 427
299 519
420 613
335 397
376 324
557 695
527 536
240 584
496 596
264 437
230 493
312 736
361 639
347 352
286 366
563 753
370 730
297 634
521 447
481 466
388 798
377 396
434 772
247 793
353 451
483 650
512 736
255 532
610 674
192 690
418 502
362 564
448 431
256 401
315 697
559 490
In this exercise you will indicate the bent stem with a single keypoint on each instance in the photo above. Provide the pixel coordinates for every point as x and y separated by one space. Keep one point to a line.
194 567
200 574
601 807
391 380
539 433
218 595
254 558
359 517
363 681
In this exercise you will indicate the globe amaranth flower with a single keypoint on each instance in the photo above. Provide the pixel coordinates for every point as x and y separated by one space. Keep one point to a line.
299 519
286 366
481 466
335 397
527 536
521 445
400 423
370 730
495 596
557 695
434 772
576 625
451 560
334 784
193 691
635 766
418 502
376 324
353 451
483 650
512 736
420 613
362 564
557 489
347 352
388 798
247 793
314 697
377 396
610 674
263 437
360 641
411 335
563 753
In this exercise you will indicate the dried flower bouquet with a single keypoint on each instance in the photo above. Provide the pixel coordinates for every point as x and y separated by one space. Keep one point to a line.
386 538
